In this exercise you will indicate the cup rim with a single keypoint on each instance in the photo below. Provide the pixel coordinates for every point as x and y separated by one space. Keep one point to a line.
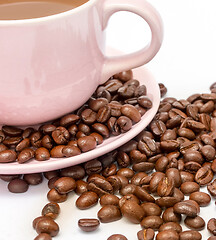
49 17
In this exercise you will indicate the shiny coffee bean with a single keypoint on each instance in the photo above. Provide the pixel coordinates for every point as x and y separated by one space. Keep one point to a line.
25 143
42 154
8 178
76 172
47 225
146 234
190 235
81 187
170 216
124 76
51 210
211 226
212 188
203 199
151 209
56 152
86 200
195 223
153 222
131 112
11 131
54 196
18 186
204 176
117 237
65 185
109 213
109 199
189 187
167 234
170 226
88 224
92 167
33 178
126 172
185 208
7 156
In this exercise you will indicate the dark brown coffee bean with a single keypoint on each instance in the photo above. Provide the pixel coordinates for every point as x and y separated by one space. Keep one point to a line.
50 174
126 172
76 172
132 82
189 187
165 187
3 147
47 129
117 237
7 156
123 76
196 223
100 186
143 167
87 200
128 189
18 186
169 134
109 199
27 132
208 152
137 178
170 226
186 176
131 112
11 131
170 216
173 173
25 155
169 145
101 129
98 137
204 176
163 89
161 164
211 226
167 234
47 225
37 219
33 178
146 234
65 185
96 104
151 209
60 135
56 152
212 188
25 143
42 154
174 121
128 197
185 208
126 91
89 116
147 146
36 139
54 196
51 210
113 85
153 222
191 146
109 213
88 224
110 170
190 235
192 167
143 195
203 199
186 132
43 236
166 202
132 211
81 187
124 123
69 119
93 166
193 156
8 178
145 102
47 142
158 128
51 182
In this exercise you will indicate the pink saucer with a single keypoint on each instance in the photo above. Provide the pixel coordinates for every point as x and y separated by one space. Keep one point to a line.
153 92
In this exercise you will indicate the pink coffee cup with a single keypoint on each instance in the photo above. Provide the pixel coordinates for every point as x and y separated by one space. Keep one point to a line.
50 66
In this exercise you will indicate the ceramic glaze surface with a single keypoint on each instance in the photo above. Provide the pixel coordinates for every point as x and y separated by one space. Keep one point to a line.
50 66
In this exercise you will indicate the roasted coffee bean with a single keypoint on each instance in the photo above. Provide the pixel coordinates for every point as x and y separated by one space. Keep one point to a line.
87 200
84 129
132 82
7 156
161 164
128 197
170 216
189 187
132 211
50 174
27 132
51 182
76 172
124 123
47 129
153 222
148 146
36 139
100 186
212 188
70 151
117 182
51 210
192 111
98 137
3 147
25 155
170 226
143 167
131 112
151 209
208 152
42 154
165 187
173 173
113 85
47 225
128 189
166 202
101 129
169 145
89 116
33 178
190 235
213 166
65 185
96 104
187 133
174 121
8 178
211 226
178 195
167 234
109 213
47 142
123 76
60 135
158 127
204 176
192 167
37 219
194 203
117 237
43 236
88 224
185 208
69 119
81 187
54 196
146 234
56 152
86 143
126 91
145 102
18 186
169 134
123 159
103 114
186 176
203 199
196 223
109 199
143 195
126 172
25 143
137 178
93 166
193 156
11 131
115 108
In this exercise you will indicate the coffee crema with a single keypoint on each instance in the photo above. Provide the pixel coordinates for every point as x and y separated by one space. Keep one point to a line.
28 9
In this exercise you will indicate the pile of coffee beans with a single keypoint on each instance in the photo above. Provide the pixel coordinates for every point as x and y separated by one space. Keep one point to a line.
154 180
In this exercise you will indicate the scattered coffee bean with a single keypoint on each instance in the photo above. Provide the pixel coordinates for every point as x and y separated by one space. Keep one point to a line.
88 224
109 213
203 199
146 234
18 186
167 234
43 236
211 226
190 235
51 210
117 237
196 223
47 225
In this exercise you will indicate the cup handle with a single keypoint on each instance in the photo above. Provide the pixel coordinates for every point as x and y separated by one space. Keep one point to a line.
113 65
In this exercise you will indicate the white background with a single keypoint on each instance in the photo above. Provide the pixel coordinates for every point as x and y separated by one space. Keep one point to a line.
185 64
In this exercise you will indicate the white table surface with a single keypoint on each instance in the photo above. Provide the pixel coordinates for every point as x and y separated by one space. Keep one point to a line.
185 64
